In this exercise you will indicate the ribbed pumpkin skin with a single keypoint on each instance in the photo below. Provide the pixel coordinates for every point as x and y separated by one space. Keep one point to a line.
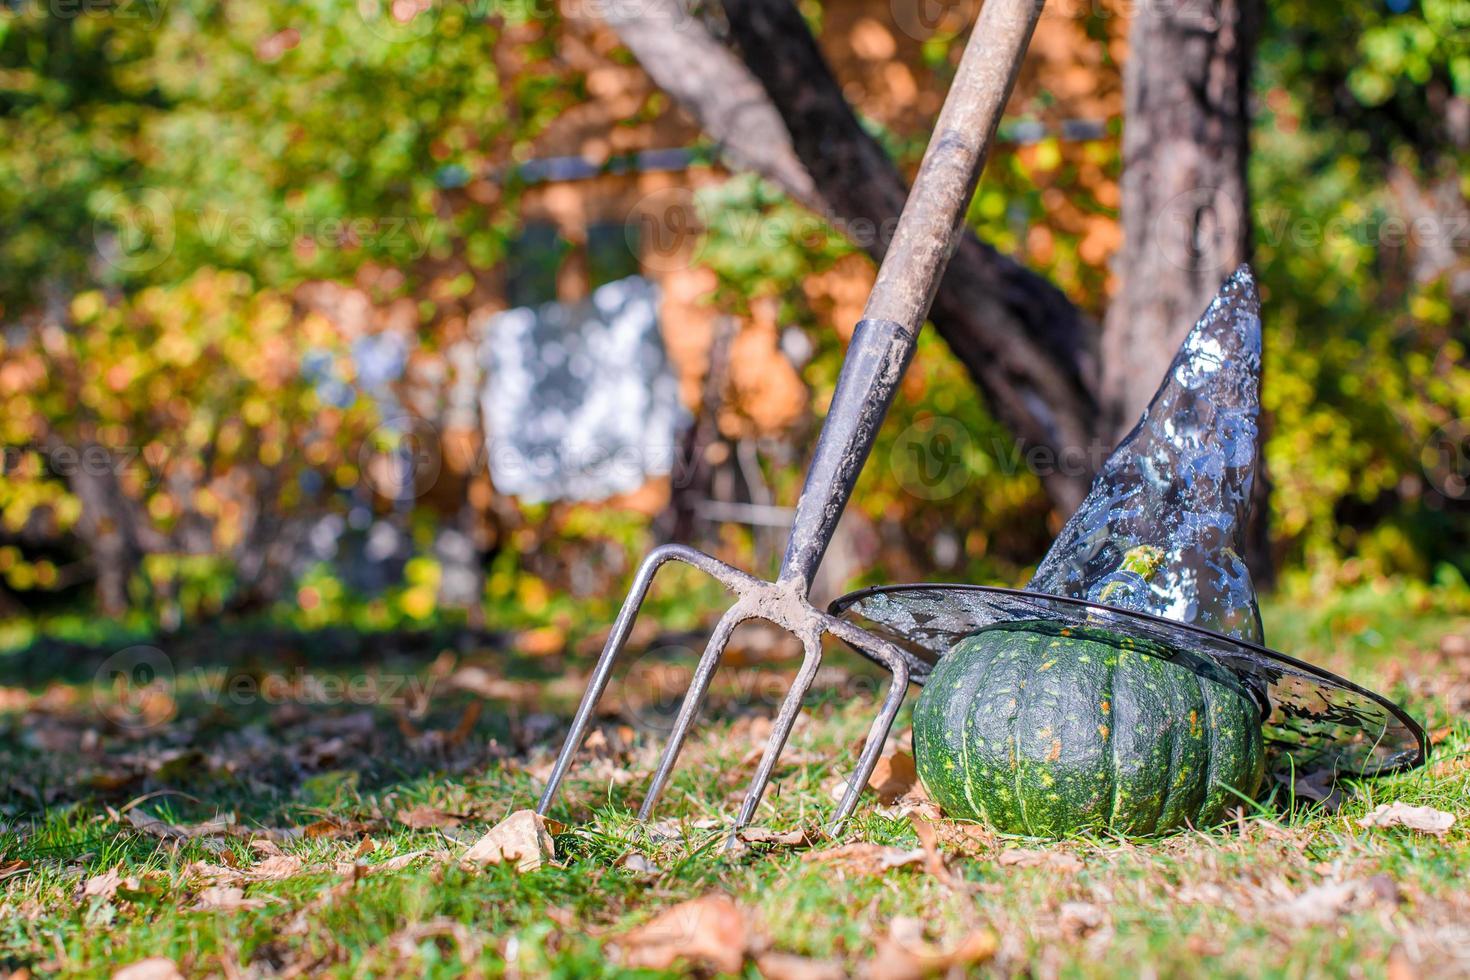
1045 730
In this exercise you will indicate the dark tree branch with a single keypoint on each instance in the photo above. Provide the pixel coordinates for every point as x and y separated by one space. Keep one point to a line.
1026 346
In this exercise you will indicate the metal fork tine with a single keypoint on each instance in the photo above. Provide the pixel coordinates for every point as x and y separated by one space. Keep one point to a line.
709 661
622 626
781 729
873 747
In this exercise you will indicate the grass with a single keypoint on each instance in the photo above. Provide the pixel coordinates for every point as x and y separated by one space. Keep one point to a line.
252 725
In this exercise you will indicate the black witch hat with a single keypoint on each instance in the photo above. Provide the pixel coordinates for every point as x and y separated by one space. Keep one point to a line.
1155 551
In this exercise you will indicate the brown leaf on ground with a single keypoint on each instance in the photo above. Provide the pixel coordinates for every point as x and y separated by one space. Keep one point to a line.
153 968
9 869
904 953
787 966
226 898
893 777
521 838
1323 903
146 823
638 863
406 942
105 885
427 818
711 931
334 829
276 868
479 681
788 838
1017 857
1422 818
864 858
1077 919
914 801
964 837
391 865
211 873
929 843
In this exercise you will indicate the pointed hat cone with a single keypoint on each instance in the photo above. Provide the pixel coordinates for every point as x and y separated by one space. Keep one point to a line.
1155 551
1163 529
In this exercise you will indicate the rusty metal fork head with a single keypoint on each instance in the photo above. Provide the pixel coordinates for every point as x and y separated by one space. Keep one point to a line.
781 603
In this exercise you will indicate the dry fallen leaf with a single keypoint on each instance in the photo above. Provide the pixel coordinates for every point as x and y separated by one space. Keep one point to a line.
213 874
788 838
105 885
709 931
1077 919
334 829
11 868
1017 857
1422 818
864 858
149 824
276 867
356 869
929 844
787 966
638 863
893 777
227 898
521 837
904 954
153 968
1323 903
427 817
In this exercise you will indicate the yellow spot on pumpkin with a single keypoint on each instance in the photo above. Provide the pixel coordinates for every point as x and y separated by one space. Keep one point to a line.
1102 730
1106 706
1055 752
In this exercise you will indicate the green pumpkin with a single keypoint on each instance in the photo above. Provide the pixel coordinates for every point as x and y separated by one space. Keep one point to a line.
1047 730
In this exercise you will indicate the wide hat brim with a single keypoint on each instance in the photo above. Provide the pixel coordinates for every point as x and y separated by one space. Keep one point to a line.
1318 726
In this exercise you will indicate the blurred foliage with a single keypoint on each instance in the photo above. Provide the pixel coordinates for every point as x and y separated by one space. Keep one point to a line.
173 175
1362 176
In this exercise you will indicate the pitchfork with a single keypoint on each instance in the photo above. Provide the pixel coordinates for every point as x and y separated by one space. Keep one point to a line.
882 344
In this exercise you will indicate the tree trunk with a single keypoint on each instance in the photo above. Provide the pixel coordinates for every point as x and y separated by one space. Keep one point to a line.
109 525
1186 203
1186 207
780 111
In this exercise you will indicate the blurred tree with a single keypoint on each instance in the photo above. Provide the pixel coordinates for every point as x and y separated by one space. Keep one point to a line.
172 181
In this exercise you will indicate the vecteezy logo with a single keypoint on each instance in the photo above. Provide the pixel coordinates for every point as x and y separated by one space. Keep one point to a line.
134 232
133 688
922 19
401 458
1446 459
655 686
1196 230
667 229
399 20
930 458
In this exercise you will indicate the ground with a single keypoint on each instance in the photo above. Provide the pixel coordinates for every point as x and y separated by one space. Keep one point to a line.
252 800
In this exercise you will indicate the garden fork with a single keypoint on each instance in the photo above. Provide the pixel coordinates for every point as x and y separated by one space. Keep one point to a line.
882 344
